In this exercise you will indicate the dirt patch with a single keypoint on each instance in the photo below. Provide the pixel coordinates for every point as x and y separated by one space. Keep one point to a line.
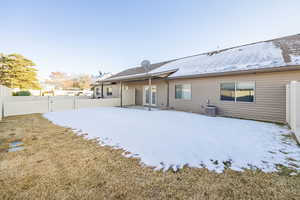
57 164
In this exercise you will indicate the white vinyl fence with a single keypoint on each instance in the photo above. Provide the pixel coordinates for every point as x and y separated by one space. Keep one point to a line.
4 92
21 105
293 107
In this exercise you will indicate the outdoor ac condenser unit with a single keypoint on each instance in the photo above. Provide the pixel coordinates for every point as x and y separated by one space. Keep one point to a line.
211 110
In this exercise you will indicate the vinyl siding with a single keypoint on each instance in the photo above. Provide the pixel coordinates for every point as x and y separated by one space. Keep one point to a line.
270 96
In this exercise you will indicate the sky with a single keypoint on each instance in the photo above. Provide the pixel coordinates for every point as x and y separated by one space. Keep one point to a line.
85 36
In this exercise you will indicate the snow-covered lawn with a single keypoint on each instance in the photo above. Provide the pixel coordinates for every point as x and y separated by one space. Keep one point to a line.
165 139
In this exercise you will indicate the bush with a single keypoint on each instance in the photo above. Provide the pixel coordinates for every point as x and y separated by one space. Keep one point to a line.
22 93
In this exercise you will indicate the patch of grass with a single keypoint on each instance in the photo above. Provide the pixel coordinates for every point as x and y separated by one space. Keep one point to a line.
58 164
291 159
286 171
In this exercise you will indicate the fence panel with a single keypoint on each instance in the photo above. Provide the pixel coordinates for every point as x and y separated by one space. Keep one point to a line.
24 107
61 104
5 91
29 105
87 103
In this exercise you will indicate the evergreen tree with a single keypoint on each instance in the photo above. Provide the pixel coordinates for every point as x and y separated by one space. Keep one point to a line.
17 72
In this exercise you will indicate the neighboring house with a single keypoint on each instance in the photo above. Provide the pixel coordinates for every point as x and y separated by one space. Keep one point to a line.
247 81
103 91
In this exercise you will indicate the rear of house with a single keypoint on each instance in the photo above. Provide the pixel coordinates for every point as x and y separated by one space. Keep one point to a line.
246 82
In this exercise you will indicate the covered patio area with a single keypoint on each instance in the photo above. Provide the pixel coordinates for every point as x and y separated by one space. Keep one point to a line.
145 89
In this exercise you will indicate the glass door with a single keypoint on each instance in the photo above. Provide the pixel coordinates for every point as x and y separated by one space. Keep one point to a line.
146 95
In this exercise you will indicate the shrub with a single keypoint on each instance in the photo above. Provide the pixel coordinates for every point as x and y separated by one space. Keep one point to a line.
22 93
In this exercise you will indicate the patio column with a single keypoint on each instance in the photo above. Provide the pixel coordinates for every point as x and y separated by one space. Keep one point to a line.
150 94
168 94
102 95
121 95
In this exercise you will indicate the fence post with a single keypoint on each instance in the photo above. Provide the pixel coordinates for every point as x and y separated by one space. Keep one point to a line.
293 93
293 106
49 104
74 103
1 109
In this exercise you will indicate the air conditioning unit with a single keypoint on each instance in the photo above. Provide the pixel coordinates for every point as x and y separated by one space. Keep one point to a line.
211 110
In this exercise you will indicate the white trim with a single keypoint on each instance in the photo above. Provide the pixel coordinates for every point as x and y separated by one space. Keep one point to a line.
144 95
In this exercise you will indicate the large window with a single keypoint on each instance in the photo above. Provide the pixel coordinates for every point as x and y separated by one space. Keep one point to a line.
228 91
109 91
238 91
183 91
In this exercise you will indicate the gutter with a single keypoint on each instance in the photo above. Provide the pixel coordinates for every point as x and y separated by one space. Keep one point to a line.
137 77
252 71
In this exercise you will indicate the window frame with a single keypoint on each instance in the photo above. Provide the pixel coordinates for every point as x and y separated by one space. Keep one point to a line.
220 90
190 98
235 89
107 91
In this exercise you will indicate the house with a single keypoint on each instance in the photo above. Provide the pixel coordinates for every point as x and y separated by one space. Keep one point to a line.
98 91
247 81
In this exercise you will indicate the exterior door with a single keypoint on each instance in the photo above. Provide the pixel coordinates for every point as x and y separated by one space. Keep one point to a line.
146 96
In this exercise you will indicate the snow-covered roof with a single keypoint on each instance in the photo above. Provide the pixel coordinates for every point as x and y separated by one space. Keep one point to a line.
138 70
268 54
274 53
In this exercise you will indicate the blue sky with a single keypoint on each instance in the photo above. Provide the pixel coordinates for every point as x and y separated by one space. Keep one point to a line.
86 36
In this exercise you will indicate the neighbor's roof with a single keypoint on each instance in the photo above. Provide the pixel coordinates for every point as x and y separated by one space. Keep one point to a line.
269 54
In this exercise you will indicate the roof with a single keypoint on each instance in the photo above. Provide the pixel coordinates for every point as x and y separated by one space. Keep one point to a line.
275 53
264 55
105 76
139 70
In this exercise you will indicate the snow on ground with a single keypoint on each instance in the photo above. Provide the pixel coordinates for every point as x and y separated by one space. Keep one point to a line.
249 57
172 139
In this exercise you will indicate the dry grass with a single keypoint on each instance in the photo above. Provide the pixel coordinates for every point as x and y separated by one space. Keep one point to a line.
57 164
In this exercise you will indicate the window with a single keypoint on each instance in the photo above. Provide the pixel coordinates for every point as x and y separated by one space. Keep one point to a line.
98 91
238 91
183 91
109 91
228 91
245 91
